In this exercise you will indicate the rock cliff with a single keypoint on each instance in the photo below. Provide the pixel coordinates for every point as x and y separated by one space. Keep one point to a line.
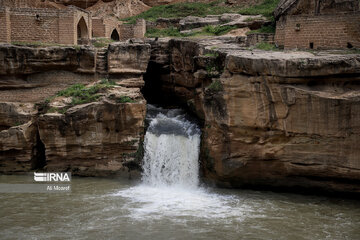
42 129
276 119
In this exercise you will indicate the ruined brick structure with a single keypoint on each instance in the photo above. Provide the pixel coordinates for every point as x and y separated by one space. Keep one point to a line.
25 22
64 26
318 24
111 28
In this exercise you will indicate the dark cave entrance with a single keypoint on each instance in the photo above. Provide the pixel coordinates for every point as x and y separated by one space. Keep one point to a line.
38 160
159 89
115 35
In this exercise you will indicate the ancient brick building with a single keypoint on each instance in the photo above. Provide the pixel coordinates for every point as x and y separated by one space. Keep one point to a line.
109 27
65 26
318 24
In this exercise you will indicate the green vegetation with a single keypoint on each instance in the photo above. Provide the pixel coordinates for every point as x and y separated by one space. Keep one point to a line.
81 94
57 110
102 42
216 86
167 32
174 32
264 29
266 8
266 46
180 10
250 19
125 99
218 30
212 54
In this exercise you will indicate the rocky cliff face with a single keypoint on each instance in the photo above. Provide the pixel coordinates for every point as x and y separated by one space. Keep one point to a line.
99 138
270 118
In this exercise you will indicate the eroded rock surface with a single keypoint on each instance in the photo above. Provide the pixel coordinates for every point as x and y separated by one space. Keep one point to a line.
96 139
280 119
40 130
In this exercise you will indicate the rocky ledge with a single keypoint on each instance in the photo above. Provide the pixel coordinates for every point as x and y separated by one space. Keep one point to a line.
278 119
57 113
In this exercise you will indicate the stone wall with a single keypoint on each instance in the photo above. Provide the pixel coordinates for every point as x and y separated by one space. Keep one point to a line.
140 28
43 25
255 38
320 32
5 25
327 31
103 27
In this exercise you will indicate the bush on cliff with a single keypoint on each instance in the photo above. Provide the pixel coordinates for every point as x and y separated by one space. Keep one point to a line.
81 94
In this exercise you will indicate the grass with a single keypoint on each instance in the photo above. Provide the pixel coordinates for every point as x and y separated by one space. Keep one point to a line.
218 30
263 29
102 42
266 46
125 99
174 32
266 8
57 110
216 86
180 10
167 32
81 94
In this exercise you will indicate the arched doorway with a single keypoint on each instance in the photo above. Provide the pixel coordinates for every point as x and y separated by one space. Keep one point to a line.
115 35
82 32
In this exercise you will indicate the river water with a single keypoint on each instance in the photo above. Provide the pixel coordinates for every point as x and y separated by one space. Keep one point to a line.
170 203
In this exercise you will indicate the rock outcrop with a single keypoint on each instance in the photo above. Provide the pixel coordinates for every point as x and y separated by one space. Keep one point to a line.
279 119
96 139
39 130
118 8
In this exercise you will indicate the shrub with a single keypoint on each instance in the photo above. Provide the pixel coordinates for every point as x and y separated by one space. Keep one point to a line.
266 8
81 94
167 32
264 29
266 46
216 86
125 99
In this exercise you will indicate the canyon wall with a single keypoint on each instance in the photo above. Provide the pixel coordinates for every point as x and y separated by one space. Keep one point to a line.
277 119
42 130
269 119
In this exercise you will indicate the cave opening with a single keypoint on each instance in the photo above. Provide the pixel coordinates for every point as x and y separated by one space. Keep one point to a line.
160 90
38 160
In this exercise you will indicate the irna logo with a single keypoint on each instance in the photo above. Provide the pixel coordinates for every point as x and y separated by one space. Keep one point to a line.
52 177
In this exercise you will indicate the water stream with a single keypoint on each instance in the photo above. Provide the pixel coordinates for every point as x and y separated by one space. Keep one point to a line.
169 202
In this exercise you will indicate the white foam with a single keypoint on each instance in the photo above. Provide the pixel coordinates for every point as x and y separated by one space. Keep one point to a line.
171 176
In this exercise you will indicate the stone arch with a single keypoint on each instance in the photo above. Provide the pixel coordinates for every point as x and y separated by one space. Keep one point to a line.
115 35
82 31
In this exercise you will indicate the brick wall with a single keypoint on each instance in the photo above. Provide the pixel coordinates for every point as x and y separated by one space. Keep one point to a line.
25 26
126 31
98 27
42 25
322 31
255 38
4 25
140 28
67 28
110 25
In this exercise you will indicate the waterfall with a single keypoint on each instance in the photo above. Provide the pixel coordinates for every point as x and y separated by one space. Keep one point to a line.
169 188
171 149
